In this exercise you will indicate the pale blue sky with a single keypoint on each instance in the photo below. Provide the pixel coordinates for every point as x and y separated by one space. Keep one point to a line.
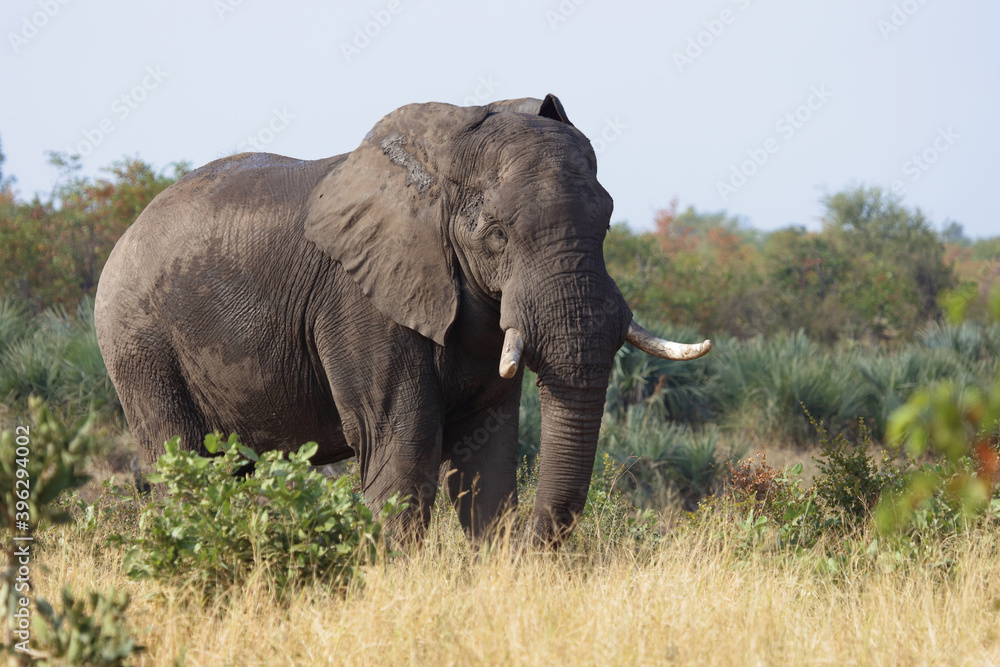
201 76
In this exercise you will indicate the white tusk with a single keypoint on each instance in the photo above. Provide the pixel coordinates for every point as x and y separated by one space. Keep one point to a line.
513 345
664 349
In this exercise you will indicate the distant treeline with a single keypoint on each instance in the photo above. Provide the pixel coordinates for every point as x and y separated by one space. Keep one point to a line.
876 272
52 249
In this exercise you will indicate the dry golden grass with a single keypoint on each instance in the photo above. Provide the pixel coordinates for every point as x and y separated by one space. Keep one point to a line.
119 462
694 600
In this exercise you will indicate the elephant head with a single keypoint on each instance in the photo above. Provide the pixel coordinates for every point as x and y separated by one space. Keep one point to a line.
494 210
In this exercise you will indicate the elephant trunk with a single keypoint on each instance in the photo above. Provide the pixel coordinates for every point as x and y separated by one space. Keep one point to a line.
573 370
570 339
571 422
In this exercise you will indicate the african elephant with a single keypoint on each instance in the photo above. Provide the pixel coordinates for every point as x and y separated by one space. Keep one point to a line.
363 301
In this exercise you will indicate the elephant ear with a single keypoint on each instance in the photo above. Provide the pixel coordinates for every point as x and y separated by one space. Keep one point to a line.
550 107
382 214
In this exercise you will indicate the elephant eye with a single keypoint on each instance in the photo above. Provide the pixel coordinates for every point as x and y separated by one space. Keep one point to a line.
496 238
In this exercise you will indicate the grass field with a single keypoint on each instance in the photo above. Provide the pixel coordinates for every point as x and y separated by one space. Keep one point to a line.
694 599
700 594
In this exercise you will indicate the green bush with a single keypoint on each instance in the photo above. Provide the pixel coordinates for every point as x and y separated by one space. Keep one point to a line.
957 420
87 632
843 495
14 323
674 390
971 343
55 356
775 498
659 456
38 463
763 506
936 501
761 384
764 383
851 497
286 520
851 482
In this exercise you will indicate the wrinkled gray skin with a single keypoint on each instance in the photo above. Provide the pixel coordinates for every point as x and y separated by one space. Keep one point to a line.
361 301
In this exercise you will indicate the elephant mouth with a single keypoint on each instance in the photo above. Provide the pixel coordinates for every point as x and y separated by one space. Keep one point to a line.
513 346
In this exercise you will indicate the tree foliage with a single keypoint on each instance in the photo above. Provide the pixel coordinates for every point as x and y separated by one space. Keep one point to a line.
876 271
698 269
52 249
896 260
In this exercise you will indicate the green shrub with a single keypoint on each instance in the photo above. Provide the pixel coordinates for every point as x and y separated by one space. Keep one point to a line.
14 323
87 632
674 390
892 378
971 343
38 463
287 520
769 499
659 456
55 356
957 420
767 508
84 381
851 482
940 503
763 383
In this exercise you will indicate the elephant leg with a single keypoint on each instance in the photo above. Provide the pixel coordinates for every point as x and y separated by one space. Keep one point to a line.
480 469
390 411
158 406
402 460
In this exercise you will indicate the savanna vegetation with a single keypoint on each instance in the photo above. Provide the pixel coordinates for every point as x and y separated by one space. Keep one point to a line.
820 488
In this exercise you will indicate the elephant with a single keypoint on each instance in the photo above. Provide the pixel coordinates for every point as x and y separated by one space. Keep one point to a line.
363 302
